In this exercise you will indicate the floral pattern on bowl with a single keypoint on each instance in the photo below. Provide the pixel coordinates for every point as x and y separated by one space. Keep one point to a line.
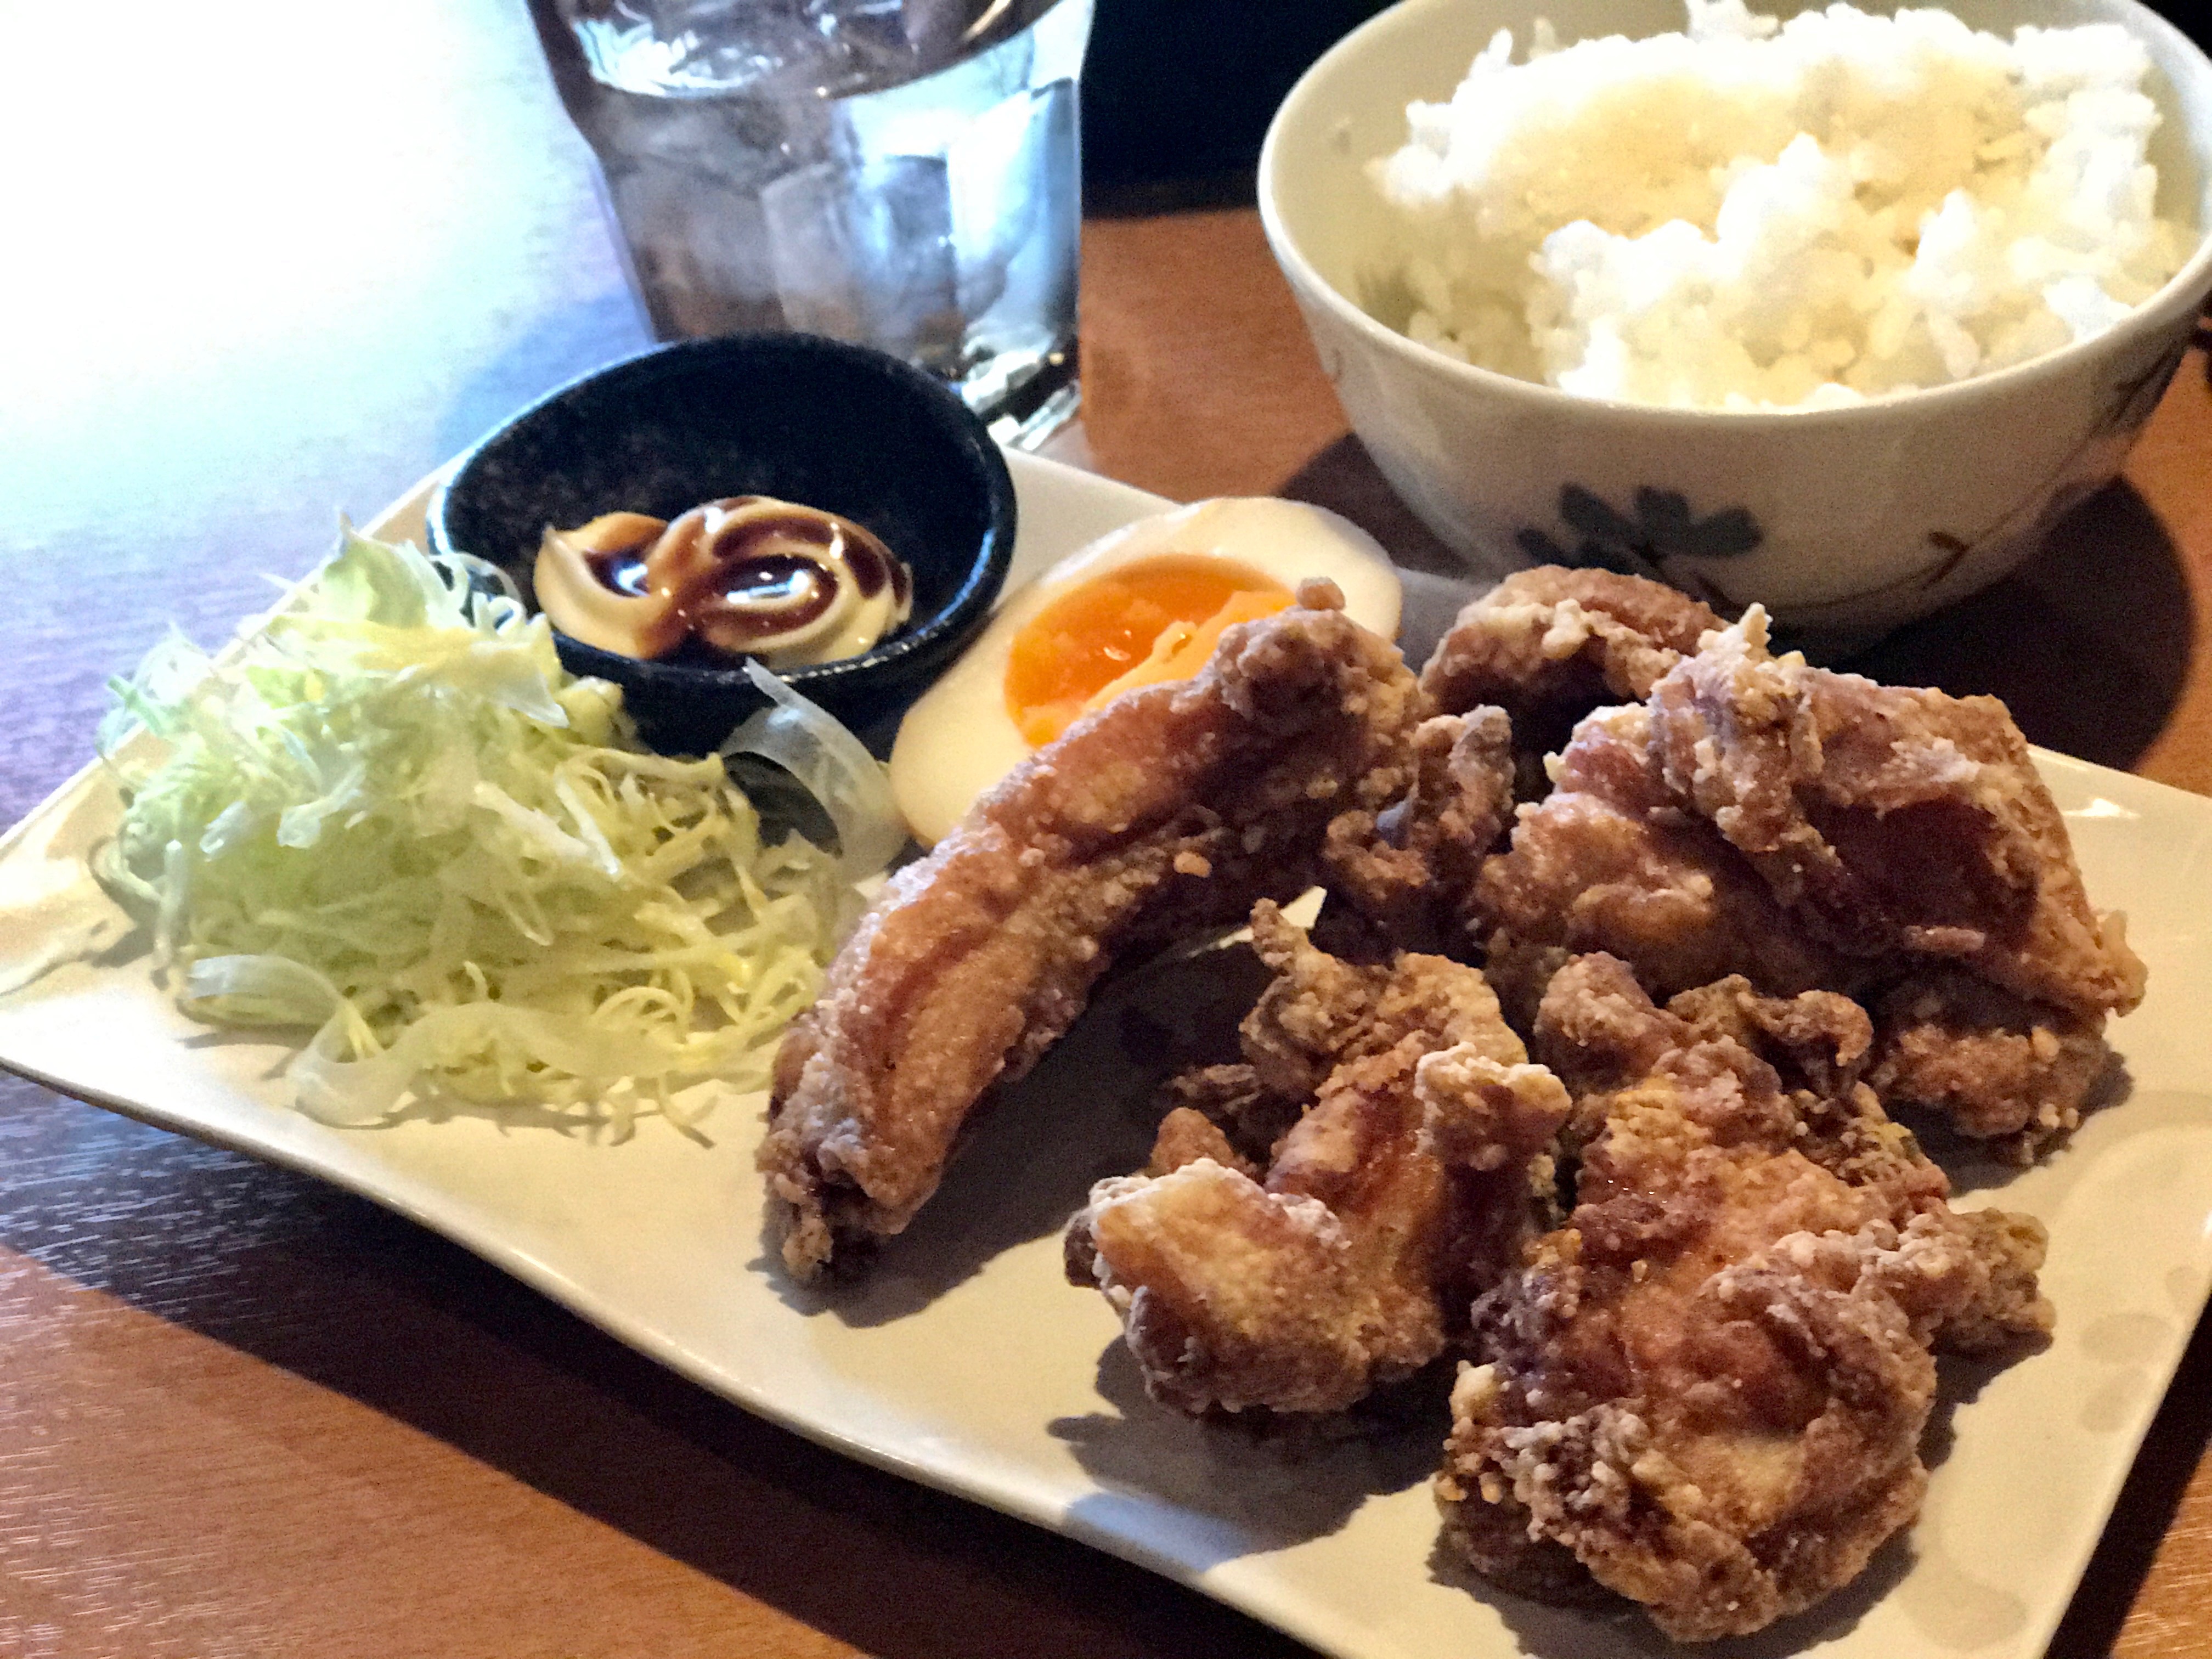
2132 398
1659 530
1658 535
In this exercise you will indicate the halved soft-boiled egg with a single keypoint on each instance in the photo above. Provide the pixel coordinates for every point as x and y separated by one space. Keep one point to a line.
1144 604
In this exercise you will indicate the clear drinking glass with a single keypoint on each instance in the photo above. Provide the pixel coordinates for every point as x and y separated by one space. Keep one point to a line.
904 173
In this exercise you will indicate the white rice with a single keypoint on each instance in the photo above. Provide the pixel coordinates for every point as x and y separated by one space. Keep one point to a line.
1753 215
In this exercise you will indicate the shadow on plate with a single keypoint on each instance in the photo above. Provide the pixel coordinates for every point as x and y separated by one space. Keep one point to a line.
1227 1490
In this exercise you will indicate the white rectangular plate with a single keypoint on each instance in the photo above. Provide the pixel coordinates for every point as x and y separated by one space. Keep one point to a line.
967 1362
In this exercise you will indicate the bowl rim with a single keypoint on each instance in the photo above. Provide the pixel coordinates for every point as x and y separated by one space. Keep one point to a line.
971 602
2183 293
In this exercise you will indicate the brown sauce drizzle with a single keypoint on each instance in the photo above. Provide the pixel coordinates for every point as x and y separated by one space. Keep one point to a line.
745 575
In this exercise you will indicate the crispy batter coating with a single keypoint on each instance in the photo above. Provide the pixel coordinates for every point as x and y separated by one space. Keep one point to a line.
1726 1446
1814 830
1407 869
1549 645
1816 1041
1801 1062
1888 819
1610 861
2000 1068
1706 1391
1173 808
1318 1013
1350 1259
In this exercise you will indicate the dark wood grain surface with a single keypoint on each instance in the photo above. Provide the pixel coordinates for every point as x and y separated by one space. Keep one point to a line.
277 264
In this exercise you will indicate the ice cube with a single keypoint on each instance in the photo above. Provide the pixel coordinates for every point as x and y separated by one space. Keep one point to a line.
1037 280
864 252
994 167
926 117
675 47
867 39
700 250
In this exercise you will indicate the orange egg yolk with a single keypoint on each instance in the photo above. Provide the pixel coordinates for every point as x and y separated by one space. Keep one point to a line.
1154 619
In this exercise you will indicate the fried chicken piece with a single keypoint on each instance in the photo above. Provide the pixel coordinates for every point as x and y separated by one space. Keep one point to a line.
1727 1445
1809 829
1318 1013
2000 1068
1706 1391
1407 869
1802 1062
1610 861
1302 1294
1549 645
1351 1260
1887 819
1906 824
1172 809
1247 1119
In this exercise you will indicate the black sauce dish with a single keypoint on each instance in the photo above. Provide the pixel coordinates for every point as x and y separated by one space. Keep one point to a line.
833 426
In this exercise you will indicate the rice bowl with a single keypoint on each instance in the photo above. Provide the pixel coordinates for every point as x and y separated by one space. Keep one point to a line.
1753 213
1844 521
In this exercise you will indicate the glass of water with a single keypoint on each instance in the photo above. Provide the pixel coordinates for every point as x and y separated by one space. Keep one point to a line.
904 173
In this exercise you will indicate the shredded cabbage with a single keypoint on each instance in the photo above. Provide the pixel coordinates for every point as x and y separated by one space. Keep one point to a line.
393 816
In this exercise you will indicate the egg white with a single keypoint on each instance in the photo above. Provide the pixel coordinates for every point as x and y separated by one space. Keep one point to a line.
957 740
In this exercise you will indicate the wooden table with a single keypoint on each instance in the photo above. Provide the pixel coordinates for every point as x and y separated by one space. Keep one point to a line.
285 263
